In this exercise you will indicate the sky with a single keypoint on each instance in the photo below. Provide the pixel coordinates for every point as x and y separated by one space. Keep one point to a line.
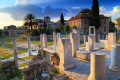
12 12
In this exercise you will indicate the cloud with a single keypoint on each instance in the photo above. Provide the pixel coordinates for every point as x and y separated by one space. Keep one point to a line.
7 20
24 2
18 12
75 7
114 13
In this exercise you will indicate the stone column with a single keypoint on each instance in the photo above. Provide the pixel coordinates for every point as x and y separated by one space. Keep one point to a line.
41 40
14 44
91 41
29 45
111 40
78 36
65 53
98 37
115 57
84 40
73 39
16 58
44 40
97 70
54 39
58 36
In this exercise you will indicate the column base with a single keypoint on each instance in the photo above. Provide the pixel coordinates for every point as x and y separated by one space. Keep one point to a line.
116 69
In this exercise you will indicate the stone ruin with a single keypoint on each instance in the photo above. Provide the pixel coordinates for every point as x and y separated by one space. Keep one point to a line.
90 45
35 69
9 67
115 56
97 69
65 53
106 44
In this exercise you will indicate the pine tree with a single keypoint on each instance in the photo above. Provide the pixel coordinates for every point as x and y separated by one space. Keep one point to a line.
94 14
61 22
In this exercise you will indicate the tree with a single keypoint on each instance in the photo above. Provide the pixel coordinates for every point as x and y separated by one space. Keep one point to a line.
74 27
29 20
111 26
35 32
61 26
45 25
67 28
94 15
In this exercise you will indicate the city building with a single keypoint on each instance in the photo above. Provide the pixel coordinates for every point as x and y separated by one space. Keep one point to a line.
81 21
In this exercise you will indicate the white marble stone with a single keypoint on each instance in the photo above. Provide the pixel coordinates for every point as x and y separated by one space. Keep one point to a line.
44 40
65 54
14 44
97 69
29 45
74 39
54 39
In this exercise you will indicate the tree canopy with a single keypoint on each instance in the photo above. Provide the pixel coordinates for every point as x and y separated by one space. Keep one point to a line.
94 15
29 20
61 26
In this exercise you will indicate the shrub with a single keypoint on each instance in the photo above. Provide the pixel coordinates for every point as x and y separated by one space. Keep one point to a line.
35 32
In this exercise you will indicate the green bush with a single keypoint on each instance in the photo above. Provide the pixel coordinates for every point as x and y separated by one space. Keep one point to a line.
67 28
57 29
6 33
35 32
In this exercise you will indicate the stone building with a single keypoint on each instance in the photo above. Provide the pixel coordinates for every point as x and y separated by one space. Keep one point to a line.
81 21
46 22
13 30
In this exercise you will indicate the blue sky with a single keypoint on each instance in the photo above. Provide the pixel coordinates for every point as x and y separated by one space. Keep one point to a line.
13 11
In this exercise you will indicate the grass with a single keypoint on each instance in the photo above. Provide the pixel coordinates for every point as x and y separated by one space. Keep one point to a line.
22 65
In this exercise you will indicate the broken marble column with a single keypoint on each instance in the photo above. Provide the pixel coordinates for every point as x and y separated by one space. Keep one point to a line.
91 42
58 36
29 45
115 57
44 40
14 44
16 58
73 39
78 36
65 53
41 40
111 40
97 69
84 40
54 39
98 37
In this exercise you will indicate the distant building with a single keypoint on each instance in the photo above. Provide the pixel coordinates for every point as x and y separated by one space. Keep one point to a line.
45 23
81 21
13 30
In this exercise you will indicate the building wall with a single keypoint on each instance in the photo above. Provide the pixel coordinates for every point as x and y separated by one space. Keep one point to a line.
83 25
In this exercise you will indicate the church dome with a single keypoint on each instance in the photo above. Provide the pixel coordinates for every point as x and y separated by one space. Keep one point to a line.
85 11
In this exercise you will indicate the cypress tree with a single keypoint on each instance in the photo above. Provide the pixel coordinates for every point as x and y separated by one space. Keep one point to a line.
61 22
94 15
